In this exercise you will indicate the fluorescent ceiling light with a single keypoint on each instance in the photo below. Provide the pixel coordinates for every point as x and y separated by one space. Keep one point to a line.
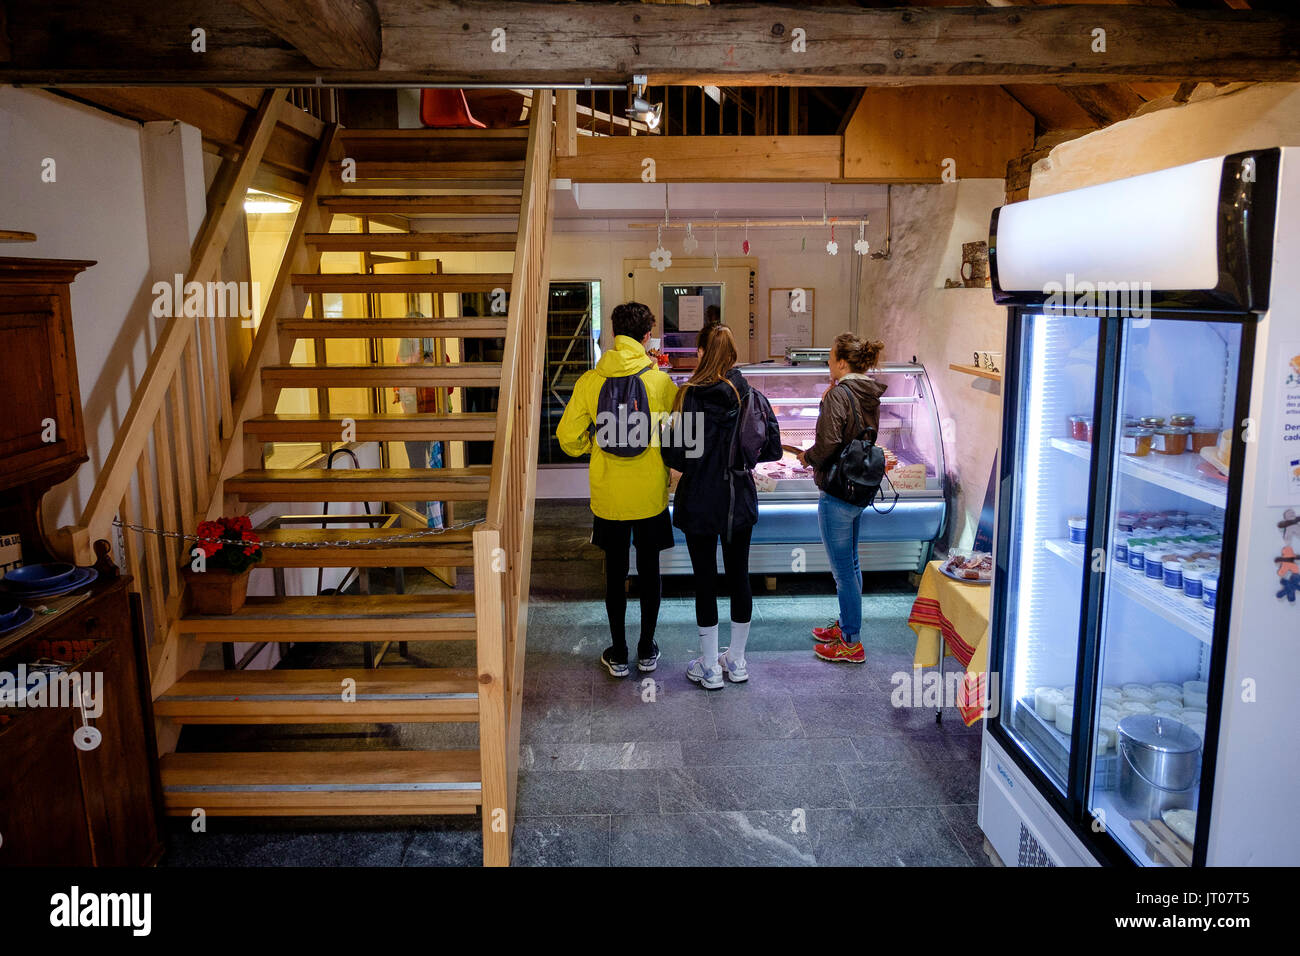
267 206
713 93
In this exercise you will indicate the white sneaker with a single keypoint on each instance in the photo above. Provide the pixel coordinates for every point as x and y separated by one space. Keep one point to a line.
710 679
735 671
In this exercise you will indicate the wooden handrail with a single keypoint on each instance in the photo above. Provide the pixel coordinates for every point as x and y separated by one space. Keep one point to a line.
166 361
503 543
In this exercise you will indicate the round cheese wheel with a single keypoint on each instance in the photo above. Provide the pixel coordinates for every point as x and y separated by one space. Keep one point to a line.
1162 706
1195 693
1167 691
1130 707
1138 692
1064 717
1046 700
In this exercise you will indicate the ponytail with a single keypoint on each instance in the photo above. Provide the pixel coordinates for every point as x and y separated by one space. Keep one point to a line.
861 354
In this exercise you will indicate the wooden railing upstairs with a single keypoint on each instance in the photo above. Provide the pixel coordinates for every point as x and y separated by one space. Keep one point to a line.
165 468
503 543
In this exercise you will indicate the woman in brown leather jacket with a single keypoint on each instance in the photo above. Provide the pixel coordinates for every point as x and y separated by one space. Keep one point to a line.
852 388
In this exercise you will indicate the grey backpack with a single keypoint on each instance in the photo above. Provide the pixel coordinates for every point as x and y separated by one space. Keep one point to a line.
623 424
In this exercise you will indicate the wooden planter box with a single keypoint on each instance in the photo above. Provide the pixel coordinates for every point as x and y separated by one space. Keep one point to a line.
216 591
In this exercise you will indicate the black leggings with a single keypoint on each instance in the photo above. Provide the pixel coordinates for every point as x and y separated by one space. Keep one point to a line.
735 560
647 569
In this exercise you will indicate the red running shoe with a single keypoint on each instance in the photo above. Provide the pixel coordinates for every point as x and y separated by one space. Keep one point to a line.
831 632
840 653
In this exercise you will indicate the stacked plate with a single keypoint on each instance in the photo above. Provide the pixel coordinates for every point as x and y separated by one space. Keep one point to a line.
43 581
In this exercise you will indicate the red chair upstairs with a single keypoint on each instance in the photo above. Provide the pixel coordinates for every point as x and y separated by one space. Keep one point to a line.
447 109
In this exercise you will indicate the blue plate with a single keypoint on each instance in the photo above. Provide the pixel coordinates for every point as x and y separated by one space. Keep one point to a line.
8 611
82 577
25 614
38 577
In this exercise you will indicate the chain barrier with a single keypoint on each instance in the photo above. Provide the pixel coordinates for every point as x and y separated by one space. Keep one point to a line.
303 545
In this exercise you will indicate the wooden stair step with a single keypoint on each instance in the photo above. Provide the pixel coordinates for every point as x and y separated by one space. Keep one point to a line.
412 282
422 206
280 783
412 241
433 145
395 375
447 549
425 426
335 618
382 696
503 170
362 484
469 327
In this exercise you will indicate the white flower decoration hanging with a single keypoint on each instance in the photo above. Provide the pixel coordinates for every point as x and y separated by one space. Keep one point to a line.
862 247
690 243
660 257
832 247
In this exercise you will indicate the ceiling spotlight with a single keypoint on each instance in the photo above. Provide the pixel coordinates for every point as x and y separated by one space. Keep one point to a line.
639 107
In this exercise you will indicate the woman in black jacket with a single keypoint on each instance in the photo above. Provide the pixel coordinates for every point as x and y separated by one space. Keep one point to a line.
716 499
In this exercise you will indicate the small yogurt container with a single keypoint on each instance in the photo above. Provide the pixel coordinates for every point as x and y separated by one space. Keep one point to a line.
1137 554
1210 590
1120 544
1078 529
1173 573
1192 574
1154 564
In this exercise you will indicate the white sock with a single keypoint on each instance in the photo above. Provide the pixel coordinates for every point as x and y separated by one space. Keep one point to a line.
709 647
739 635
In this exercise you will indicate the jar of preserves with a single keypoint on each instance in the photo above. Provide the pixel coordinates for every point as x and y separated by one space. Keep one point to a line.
1151 421
1170 440
1136 442
1203 437
1182 421
1081 427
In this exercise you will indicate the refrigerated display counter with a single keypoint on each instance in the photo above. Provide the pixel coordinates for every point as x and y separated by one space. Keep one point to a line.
786 538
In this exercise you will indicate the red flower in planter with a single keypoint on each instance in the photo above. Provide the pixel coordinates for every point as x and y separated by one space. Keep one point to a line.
229 543
210 531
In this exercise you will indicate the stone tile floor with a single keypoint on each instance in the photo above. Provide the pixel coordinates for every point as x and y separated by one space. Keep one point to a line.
806 764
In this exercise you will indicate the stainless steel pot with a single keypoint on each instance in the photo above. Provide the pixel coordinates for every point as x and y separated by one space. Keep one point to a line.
1160 764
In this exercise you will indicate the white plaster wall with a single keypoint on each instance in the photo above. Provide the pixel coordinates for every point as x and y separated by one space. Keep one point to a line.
95 209
595 249
1257 117
905 305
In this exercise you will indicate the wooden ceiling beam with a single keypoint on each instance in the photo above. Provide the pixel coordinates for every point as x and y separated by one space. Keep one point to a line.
1105 103
332 34
58 42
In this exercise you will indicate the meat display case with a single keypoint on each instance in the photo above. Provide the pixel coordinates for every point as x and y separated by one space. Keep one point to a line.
787 498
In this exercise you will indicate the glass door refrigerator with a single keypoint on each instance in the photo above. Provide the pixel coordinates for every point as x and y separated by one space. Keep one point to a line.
1145 626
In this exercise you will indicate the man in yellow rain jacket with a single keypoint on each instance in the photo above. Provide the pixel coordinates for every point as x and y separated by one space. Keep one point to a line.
629 491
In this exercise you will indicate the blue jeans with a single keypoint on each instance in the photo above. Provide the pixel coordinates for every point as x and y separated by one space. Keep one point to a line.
839 522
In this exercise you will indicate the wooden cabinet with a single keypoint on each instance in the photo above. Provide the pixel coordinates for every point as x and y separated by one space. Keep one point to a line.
62 805
42 439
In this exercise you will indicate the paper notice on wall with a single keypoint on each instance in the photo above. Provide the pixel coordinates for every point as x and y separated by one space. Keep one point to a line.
1284 484
908 477
690 313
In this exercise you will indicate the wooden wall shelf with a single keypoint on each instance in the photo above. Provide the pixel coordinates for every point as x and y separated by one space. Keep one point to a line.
976 370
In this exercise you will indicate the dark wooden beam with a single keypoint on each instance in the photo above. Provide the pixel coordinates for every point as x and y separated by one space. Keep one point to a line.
57 42
333 34
1105 103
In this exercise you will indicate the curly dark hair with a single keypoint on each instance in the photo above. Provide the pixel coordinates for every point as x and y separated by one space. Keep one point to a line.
632 319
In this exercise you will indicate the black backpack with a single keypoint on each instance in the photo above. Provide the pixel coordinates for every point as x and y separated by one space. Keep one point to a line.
856 473
754 428
623 423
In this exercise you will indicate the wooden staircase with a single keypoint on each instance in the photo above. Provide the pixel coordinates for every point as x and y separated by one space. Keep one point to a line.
503 176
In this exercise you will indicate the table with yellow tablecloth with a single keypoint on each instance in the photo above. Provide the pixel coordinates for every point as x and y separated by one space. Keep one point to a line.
956 614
